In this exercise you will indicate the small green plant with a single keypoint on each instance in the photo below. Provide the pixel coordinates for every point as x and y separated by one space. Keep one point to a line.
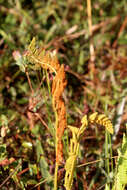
121 168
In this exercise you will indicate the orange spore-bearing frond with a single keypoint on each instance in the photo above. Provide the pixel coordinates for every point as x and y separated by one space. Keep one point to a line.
59 81
58 86
59 155
48 60
61 119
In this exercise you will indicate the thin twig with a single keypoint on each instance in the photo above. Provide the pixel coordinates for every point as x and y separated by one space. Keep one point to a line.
120 31
43 122
93 162
92 53
11 174
29 81
45 180
22 172
59 40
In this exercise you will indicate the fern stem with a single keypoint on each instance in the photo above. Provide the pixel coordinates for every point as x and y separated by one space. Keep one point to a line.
47 78
110 142
56 147
106 153
29 82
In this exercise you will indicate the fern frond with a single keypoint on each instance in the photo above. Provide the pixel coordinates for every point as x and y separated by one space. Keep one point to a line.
72 159
121 177
74 131
73 153
122 162
107 187
41 58
103 120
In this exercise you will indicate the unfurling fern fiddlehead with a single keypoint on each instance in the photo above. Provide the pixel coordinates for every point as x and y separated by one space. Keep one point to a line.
77 133
101 119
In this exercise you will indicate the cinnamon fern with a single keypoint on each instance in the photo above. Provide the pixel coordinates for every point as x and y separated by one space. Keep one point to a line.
40 58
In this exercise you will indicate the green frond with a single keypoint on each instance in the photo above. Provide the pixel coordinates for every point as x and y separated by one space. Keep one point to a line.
41 58
122 162
32 46
70 167
74 131
72 159
107 187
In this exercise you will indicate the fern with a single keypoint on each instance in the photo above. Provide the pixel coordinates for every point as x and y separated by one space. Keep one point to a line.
48 61
121 177
77 133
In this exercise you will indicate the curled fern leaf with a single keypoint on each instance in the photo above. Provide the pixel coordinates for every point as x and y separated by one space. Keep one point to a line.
103 120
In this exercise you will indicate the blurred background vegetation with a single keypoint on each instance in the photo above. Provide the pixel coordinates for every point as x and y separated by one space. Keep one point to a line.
62 26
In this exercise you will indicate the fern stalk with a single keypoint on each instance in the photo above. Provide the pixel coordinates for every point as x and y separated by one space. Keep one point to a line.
56 150
55 176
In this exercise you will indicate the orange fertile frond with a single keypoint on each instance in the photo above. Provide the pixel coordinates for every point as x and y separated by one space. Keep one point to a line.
48 60
61 119
59 84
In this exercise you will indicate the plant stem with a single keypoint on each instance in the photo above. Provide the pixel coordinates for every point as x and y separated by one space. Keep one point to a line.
55 177
89 13
56 147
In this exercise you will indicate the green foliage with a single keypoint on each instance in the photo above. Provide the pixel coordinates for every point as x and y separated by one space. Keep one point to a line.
121 176
42 162
107 187
3 152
